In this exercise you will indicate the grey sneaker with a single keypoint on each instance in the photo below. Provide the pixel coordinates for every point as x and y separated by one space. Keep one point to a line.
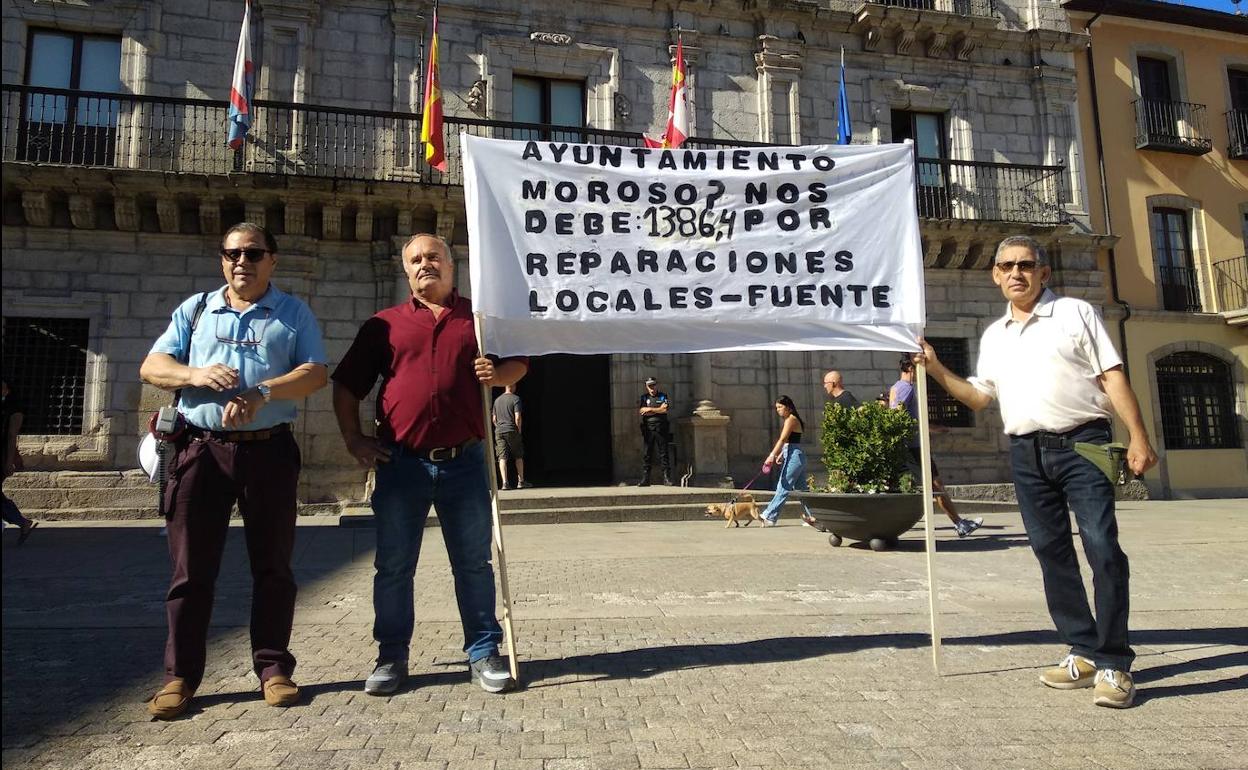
967 526
491 673
523 485
387 678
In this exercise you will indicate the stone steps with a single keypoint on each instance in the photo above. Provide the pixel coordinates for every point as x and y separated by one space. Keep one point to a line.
127 495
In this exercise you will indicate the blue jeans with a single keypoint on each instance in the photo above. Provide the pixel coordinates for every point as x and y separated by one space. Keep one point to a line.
791 476
1048 482
406 487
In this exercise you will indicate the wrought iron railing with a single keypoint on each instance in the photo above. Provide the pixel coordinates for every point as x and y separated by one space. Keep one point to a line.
1237 133
1180 289
979 8
1171 126
124 131
1230 283
1004 192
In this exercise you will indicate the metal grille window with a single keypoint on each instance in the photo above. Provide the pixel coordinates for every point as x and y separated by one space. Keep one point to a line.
942 408
45 361
1197 406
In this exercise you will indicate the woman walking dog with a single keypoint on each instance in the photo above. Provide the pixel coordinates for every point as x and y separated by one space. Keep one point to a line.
788 452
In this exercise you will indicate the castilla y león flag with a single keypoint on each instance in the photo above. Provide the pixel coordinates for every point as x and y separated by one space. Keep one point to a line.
678 107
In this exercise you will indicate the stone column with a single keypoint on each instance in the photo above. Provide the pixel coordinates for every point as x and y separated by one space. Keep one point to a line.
704 433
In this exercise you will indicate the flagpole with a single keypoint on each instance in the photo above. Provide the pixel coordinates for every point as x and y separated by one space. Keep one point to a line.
491 471
929 537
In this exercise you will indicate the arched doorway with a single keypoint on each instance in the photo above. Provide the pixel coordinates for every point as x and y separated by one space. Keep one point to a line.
566 402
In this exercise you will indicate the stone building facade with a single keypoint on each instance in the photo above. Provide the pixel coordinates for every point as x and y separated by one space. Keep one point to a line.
113 205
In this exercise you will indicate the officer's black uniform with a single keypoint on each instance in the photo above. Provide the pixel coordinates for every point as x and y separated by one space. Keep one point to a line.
655 435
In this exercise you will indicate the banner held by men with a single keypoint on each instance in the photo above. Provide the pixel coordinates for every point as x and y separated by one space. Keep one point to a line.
592 248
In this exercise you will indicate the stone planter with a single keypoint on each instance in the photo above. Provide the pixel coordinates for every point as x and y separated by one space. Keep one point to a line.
877 520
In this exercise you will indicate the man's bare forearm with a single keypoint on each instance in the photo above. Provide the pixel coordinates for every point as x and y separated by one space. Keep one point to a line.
302 381
1122 398
958 387
165 372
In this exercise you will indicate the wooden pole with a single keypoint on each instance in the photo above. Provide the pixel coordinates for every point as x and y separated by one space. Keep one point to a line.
929 537
500 555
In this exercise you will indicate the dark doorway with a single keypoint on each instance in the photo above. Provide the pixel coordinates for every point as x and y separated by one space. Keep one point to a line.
566 403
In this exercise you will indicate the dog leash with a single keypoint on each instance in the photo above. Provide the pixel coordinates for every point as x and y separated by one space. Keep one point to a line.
748 484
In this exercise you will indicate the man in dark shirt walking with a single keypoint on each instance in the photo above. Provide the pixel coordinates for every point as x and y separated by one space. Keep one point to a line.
508 438
428 451
834 386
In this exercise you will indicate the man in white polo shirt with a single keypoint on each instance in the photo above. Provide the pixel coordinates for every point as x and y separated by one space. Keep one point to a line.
1050 364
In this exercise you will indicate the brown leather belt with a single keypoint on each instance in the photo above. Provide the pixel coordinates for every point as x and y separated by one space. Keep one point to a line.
239 436
441 453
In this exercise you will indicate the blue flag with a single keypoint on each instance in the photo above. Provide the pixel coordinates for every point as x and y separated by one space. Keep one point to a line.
843 130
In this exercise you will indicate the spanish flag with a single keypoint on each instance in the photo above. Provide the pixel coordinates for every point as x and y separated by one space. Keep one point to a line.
431 117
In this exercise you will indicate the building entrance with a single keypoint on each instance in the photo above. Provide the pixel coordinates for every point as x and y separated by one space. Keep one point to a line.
566 402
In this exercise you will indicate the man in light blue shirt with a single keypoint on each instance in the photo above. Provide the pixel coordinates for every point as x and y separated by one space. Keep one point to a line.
239 357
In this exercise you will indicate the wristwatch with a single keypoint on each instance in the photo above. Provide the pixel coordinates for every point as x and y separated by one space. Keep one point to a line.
265 391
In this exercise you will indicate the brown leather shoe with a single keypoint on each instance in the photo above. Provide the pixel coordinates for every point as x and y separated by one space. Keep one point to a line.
280 691
171 701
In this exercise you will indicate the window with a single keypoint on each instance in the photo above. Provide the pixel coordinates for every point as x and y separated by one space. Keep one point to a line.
549 102
1197 408
1172 250
283 66
781 116
927 130
58 128
942 408
1237 116
45 362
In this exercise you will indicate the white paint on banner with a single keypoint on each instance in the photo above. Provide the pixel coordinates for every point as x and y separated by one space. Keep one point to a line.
592 248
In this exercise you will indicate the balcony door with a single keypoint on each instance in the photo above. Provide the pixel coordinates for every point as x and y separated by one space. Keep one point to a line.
1159 114
549 102
1176 270
57 128
1237 118
927 131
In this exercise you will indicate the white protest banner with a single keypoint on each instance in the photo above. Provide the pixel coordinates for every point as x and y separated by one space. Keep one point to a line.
582 248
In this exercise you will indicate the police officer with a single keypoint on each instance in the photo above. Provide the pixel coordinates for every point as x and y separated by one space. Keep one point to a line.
655 433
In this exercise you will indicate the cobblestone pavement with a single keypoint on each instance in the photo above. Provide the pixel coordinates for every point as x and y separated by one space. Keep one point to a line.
643 645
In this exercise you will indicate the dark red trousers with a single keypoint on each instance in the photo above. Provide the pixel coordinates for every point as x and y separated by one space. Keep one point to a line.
207 477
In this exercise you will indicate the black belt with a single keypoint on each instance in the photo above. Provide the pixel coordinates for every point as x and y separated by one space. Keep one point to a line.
1050 440
239 436
439 454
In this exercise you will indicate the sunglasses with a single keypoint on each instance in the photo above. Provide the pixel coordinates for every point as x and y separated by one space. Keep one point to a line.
1026 266
251 255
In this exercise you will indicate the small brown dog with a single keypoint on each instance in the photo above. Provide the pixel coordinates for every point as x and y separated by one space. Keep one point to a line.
743 508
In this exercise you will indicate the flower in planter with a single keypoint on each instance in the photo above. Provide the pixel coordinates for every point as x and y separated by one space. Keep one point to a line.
864 448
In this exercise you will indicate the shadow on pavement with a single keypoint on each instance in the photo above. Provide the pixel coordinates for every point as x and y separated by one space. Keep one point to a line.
84 617
650 661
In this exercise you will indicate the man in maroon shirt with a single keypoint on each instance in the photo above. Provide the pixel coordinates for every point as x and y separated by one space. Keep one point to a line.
428 450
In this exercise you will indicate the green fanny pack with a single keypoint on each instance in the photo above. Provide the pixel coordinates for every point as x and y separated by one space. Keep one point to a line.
1110 458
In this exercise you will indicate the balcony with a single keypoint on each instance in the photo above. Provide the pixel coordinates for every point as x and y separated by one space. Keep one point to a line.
1230 288
1180 289
61 127
1237 132
1000 192
1171 127
980 8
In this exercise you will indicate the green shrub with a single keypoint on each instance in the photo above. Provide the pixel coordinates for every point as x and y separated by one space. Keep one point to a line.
864 448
